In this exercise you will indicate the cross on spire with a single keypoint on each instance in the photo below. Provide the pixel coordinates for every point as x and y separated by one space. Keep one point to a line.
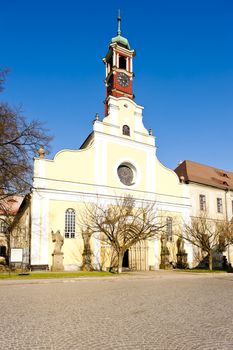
119 23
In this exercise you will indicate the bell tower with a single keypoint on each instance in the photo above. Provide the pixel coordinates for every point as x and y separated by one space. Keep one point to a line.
119 67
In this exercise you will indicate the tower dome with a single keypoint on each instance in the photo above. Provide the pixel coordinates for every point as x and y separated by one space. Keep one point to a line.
119 39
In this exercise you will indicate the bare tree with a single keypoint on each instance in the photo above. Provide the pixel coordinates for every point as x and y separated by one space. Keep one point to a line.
209 235
3 73
19 141
122 224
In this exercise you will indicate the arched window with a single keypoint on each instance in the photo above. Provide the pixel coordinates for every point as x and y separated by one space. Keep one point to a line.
169 229
70 223
126 130
122 62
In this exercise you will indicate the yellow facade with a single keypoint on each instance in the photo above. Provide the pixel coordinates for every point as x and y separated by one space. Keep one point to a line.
89 175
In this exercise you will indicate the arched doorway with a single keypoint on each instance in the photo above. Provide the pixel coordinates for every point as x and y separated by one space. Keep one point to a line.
125 262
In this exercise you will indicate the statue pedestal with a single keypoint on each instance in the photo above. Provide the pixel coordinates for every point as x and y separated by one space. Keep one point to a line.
87 266
182 260
57 262
165 263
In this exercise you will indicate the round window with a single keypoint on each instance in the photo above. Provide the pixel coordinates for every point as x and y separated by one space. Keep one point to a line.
126 174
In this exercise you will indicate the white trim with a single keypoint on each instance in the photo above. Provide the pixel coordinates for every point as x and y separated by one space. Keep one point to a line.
35 229
45 233
115 101
114 58
41 167
94 189
39 228
150 171
126 141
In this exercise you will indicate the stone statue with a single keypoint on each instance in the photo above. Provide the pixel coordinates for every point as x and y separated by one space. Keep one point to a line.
181 254
164 248
59 241
180 245
57 254
164 255
87 253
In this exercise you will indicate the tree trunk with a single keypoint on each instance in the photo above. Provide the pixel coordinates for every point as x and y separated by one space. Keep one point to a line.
210 261
120 261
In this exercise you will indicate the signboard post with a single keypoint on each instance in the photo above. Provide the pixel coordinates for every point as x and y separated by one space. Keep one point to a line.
16 255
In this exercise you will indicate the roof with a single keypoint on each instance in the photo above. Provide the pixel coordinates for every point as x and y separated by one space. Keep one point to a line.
10 205
204 174
87 141
120 40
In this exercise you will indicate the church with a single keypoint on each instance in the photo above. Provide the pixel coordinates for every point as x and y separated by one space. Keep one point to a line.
117 158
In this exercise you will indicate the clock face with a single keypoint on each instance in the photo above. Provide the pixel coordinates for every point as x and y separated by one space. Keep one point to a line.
123 79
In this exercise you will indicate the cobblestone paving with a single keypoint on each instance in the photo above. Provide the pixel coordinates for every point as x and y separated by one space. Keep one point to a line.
156 310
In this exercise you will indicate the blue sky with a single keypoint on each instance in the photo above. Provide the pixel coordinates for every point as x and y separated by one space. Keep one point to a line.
183 68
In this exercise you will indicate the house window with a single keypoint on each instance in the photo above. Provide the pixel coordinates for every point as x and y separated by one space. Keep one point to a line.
169 229
202 200
126 130
70 223
219 205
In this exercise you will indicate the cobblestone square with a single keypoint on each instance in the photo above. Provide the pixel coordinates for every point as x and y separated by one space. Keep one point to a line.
155 310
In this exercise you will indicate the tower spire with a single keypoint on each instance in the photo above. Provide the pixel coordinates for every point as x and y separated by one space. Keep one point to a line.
119 23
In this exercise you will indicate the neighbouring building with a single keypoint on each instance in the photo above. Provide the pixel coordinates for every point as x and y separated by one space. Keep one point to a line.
9 206
210 190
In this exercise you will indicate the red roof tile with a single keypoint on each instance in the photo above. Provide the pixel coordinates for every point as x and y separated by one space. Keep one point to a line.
10 205
204 174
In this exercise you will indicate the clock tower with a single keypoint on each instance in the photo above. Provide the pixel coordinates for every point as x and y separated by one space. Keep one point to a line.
119 68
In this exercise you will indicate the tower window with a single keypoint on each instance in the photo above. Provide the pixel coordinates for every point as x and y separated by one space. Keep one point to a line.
122 62
169 229
70 223
126 130
110 62
202 200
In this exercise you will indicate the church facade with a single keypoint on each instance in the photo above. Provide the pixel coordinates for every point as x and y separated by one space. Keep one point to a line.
118 158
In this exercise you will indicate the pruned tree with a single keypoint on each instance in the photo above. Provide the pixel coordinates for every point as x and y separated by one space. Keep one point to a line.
209 235
122 224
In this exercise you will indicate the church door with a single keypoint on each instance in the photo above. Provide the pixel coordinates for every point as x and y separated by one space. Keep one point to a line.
126 259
